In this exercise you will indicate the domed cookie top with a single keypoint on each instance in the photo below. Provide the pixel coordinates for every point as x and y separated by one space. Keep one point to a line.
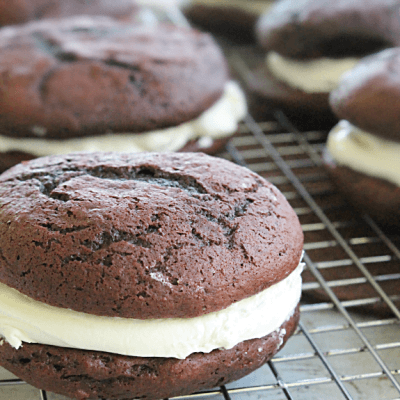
234 19
83 76
369 95
17 11
316 28
143 235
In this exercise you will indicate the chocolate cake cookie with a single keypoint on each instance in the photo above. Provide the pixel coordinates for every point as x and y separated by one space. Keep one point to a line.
92 83
21 11
311 43
235 19
363 150
197 257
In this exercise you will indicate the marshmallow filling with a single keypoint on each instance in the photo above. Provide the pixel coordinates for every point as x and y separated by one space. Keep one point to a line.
221 120
311 76
364 152
23 319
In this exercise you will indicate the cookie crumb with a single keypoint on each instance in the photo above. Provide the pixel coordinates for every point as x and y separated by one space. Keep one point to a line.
39 130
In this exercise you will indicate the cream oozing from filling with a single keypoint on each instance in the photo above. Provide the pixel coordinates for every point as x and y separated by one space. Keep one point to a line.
364 152
218 121
312 76
23 319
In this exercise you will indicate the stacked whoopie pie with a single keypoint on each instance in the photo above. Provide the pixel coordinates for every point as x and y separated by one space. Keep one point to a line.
309 45
143 275
94 83
363 150
362 156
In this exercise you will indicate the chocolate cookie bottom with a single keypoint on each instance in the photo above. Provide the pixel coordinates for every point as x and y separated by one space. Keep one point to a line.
374 196
305 110
92 375
10 158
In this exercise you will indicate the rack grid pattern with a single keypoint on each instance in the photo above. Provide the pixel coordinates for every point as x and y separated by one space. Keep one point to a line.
347 345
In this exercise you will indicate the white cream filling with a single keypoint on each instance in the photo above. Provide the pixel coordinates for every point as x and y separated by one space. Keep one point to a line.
364 152
254 6
219 121
25 320
160 3
311 76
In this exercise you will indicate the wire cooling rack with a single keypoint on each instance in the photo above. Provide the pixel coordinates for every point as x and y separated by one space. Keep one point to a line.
347 345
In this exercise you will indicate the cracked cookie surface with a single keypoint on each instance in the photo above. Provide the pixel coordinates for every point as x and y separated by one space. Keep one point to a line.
21 11
143 235
87 76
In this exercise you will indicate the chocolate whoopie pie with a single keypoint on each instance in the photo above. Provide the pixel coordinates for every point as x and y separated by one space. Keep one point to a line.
18 12
363 150
143 275
310 44
93 83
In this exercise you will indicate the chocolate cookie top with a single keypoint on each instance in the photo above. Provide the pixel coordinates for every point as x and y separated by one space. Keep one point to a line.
21 11
82 76
315 28
143 235
233 20
368 96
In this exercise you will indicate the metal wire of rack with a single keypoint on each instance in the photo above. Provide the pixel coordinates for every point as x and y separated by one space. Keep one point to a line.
347 345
